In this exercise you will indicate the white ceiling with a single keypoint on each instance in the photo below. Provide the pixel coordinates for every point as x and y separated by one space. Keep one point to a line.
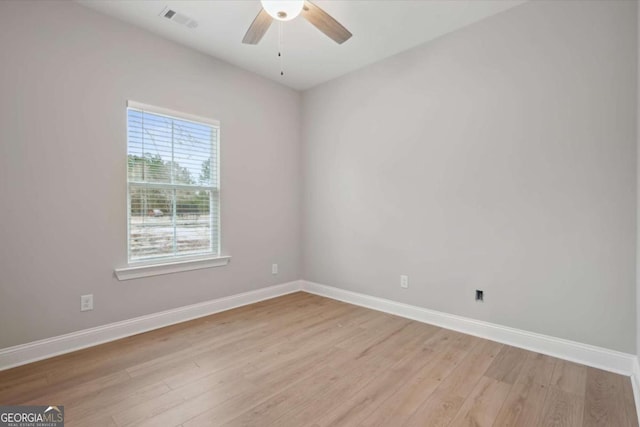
380 28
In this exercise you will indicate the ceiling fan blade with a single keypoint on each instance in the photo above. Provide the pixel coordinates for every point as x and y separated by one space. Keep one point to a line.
325 23
258 28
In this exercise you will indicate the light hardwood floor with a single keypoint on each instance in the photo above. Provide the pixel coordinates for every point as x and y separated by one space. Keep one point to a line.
303 360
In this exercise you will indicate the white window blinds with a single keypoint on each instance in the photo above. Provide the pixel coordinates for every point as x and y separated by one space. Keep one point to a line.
173 185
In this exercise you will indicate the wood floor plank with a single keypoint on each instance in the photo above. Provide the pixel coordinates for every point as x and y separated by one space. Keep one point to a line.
233 389
386 377
538 368
507 365
443 404
197 404
74 393
314 374
304 360
524 404
14 390
359 404
562 409
273 344
570 377
629 402
351 377
604 401
101 406
399 404
147 409
228 342
483 404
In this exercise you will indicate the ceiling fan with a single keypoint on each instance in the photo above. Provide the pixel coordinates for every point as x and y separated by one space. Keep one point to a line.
286 10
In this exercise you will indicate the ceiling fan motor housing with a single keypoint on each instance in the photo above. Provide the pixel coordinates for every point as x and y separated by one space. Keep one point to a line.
283 10
286 10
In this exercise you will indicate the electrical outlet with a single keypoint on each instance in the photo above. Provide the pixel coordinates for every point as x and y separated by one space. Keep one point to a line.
86 302
274 268
404 281
479 295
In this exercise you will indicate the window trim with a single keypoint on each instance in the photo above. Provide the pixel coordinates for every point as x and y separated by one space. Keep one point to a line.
172 113
137 271
167 265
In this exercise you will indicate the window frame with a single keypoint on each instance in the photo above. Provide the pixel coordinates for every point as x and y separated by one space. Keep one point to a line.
175 263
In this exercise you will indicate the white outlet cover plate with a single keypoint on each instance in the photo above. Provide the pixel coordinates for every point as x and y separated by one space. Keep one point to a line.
404 281
86 302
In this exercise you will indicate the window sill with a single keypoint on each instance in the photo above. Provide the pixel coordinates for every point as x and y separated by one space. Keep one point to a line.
138 271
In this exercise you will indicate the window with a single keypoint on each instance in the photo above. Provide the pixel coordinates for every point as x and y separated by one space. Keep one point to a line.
173 185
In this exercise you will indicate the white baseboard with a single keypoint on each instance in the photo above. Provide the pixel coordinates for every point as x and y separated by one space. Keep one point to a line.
609 360
26 353
597 357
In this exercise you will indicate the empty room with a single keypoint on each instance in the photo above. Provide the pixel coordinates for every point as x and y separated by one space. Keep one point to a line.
319 213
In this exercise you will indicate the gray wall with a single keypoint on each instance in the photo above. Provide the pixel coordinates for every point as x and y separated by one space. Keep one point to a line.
500 157
638 198
66 73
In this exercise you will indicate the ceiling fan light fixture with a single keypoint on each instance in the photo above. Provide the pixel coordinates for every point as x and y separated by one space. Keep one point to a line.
283 10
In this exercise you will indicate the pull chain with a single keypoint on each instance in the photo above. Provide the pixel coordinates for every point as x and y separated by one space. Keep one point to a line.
280 30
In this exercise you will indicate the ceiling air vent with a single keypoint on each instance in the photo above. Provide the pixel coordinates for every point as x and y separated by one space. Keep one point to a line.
178 18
